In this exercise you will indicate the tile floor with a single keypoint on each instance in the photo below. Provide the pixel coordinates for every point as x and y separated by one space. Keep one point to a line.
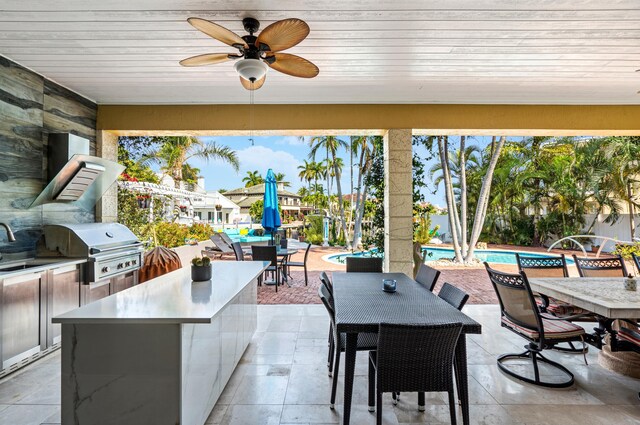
282 379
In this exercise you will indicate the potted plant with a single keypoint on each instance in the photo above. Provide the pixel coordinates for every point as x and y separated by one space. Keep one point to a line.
218 207
200 269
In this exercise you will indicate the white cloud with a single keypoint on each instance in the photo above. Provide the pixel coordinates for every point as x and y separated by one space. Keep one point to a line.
292 140
262 158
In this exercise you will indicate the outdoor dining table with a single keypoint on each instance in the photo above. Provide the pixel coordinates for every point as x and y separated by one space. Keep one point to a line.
361 305
604 296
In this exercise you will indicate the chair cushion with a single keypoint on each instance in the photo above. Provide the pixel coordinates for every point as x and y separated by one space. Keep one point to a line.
629 335
295 263
561 308
366 341
553 329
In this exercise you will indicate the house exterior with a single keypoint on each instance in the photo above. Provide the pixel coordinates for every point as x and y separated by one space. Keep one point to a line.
290 202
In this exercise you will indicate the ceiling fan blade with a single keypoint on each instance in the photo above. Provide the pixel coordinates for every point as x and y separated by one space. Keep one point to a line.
218 32
207 59
283 34
247 84
294 65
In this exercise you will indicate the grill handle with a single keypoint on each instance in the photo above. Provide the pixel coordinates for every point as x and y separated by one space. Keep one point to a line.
100 251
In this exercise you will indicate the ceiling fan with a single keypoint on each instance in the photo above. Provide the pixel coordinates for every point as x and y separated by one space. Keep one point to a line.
257 54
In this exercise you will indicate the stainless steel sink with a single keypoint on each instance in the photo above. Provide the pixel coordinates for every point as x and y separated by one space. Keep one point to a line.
25 265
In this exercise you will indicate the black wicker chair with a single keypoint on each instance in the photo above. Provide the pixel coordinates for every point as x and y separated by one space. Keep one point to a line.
520 314
601 266
364 265
636 261
338 343
454 296
237 250
413 358
324 279
302 264
427 276
268 253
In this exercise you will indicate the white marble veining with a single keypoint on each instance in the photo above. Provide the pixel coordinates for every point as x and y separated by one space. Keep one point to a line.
172 298
167 365
604 296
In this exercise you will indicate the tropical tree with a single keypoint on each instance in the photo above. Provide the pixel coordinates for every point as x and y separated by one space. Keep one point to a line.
173 152
364 149
280 179
624 152
464 243
331 145
253 178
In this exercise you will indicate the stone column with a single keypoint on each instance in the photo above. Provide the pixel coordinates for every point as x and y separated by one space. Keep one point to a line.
107 206
398 201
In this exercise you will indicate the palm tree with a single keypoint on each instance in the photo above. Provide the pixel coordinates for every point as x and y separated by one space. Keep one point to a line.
305 172
253 178
331 144
625 153
280 179
363 147
175 151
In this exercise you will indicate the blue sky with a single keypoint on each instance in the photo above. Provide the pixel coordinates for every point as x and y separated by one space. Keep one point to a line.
284 154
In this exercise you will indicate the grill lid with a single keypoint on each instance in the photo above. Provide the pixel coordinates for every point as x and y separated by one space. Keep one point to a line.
82 240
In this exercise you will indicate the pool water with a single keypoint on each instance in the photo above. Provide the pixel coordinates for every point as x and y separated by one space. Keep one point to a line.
433 253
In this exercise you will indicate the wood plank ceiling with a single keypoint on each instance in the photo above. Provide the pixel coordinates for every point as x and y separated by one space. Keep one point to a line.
383 51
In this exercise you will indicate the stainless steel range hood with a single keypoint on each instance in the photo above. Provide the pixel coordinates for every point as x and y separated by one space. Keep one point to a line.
75 177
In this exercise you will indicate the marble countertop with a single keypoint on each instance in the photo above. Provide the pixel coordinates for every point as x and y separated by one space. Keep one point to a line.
171 298
604 296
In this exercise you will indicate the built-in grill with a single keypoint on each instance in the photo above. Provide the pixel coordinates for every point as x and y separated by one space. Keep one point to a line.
111 249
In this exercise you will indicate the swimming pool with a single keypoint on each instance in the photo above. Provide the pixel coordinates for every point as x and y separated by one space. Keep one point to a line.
434 253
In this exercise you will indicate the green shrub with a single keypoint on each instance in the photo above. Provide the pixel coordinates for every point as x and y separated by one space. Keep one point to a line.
625 250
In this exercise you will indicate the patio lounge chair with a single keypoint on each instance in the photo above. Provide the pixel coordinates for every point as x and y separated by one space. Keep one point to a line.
364 265
601 266
413 358
219 248
520 314
427 276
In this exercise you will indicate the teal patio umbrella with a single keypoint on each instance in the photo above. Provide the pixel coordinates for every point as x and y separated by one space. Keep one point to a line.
270 215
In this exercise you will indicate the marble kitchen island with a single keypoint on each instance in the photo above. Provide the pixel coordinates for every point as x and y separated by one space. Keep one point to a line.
160 352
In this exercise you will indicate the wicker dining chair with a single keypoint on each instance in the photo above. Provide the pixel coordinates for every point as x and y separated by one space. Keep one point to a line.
237 250
454 296
520 314
268 253
601 266
302 263
326 281
636 261
413 358
427 276
364 265
338 342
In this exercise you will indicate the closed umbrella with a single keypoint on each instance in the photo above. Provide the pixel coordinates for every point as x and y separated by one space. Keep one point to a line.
270 215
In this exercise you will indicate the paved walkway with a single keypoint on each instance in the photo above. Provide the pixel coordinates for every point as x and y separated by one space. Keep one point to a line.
473 280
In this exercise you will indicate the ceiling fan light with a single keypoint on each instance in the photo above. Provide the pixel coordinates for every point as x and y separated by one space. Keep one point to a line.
251 69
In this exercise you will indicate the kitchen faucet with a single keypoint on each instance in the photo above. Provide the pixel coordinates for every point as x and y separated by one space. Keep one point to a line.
10 235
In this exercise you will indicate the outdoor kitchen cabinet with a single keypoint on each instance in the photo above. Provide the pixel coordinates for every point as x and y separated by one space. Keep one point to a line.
63 295
23 311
